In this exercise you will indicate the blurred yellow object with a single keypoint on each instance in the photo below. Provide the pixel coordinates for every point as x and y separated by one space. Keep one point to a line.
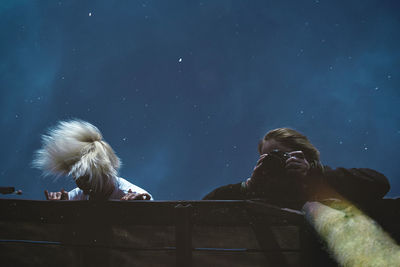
352 238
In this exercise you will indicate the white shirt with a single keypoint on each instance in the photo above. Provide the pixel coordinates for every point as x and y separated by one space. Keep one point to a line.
121 190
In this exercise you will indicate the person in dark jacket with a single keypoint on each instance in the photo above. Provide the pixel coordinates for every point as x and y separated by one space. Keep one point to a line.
289 170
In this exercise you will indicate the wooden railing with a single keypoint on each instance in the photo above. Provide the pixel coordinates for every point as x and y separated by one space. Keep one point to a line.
162 233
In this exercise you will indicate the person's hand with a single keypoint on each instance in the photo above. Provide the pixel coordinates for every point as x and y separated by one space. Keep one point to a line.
136 196
63 195
257 178
297 165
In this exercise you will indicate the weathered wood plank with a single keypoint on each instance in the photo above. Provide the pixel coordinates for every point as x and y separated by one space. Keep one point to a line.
245 259
121 258
30 231
124 212
140 236
287 237
135 236
17 254
206 236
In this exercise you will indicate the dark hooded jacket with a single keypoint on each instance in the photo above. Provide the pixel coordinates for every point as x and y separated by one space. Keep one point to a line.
359 185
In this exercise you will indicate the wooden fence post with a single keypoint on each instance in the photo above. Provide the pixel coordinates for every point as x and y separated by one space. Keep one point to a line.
183 235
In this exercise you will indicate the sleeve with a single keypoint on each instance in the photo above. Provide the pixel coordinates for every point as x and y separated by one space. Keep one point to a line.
357 184
124 187
76 194
227 192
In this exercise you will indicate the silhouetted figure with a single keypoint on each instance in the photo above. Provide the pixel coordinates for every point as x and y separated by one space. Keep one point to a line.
289 170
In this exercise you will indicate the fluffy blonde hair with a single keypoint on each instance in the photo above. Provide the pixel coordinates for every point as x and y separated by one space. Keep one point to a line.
77 148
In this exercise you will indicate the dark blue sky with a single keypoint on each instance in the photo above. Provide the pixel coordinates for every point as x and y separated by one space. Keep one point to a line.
183 90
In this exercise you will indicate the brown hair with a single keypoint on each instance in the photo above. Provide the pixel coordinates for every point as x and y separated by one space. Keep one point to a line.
293 139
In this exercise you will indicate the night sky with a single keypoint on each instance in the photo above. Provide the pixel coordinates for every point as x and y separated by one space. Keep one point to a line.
184 90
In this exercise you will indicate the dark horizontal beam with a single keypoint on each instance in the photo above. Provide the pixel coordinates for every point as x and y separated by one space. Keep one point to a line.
135 212
221 250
